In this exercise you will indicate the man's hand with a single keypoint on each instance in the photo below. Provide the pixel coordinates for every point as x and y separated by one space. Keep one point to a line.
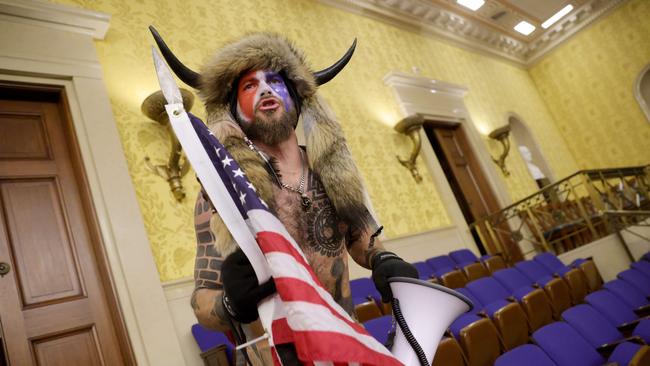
386 265
241 290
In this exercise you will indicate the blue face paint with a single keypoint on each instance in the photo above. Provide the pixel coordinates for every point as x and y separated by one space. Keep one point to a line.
276 82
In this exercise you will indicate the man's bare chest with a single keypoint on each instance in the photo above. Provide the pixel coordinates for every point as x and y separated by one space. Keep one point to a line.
317 229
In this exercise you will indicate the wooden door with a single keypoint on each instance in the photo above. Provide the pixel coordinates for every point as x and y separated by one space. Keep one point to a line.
467 180
57 306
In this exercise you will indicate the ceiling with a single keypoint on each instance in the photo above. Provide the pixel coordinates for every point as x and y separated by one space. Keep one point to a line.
503 15
490 28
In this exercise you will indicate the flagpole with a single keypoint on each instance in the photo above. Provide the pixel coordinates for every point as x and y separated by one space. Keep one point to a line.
214 186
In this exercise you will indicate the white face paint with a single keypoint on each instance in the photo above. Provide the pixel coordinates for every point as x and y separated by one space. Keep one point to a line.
264 91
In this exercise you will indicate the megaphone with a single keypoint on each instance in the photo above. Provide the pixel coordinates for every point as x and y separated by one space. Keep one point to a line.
422 311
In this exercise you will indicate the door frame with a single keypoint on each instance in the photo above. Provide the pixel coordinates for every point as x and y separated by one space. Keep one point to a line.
443 103
51 44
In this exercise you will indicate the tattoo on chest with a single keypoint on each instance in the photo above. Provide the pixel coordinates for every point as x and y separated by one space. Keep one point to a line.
325 230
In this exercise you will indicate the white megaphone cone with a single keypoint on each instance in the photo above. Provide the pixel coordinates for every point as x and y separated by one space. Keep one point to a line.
423 311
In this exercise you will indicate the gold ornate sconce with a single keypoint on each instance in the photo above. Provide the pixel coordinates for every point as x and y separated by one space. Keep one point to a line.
411 126
501 134
154 107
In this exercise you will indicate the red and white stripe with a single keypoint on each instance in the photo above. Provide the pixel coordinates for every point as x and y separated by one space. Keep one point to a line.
322 332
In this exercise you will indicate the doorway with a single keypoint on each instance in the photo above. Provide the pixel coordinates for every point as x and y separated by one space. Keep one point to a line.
57 305
467 180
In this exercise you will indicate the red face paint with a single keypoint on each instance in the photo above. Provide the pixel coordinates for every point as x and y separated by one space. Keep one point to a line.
258 85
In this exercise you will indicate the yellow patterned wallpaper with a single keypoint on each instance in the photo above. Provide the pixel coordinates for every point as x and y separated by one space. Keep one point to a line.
365 106
587 83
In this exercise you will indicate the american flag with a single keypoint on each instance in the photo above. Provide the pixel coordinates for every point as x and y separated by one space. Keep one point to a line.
305 313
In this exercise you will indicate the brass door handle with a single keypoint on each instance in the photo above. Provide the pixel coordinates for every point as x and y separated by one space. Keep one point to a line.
4 268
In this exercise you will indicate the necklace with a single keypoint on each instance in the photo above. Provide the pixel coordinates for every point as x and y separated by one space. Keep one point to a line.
305 200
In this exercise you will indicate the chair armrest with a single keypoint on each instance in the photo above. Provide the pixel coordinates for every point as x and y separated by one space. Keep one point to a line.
642 311
636 339
606 349
627 328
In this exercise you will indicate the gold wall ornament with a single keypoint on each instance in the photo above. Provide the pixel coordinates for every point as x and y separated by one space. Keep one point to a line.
411 126
501 134
177 165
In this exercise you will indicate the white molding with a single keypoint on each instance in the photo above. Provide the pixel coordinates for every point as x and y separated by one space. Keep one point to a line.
32 53
428 18
643 104
580 19
61 17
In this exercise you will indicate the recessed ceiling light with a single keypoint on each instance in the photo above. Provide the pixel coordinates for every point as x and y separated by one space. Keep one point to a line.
471 4
524 28
557 16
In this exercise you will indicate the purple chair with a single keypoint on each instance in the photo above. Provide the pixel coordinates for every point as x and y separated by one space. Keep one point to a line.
508 315
551 263
490 293
463 257
441 264
424 270
536 304
566 347
534 271
637 279
527 354
629 295
362 290
646 257
466 318
619 314
208 339
642 266
555 288
597 330
518 284
380 327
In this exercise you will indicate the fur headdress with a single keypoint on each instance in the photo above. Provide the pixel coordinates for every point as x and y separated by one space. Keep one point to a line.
327 151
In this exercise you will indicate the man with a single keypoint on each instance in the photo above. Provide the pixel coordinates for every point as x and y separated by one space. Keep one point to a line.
254 91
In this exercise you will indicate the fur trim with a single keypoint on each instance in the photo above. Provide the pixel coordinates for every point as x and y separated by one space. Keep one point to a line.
329 156
256 172
259 51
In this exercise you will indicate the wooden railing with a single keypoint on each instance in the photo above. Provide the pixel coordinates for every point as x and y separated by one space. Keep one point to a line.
579 209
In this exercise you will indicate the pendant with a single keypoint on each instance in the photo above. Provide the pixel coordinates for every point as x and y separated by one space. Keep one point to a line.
306 202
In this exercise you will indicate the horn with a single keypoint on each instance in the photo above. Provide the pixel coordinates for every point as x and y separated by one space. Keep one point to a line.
423 311
183 72
329 73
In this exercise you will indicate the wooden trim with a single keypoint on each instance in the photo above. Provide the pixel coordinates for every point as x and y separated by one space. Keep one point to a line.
57 93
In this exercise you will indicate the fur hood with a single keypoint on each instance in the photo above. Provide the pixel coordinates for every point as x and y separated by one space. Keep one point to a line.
258 51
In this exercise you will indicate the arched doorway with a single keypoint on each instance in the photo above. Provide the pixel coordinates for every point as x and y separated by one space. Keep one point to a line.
642 91
530 152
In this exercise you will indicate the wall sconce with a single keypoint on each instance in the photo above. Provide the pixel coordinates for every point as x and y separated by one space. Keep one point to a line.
154 107
501 135
411 126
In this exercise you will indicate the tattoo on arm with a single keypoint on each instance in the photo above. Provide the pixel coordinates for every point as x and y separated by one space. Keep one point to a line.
207 267
206 298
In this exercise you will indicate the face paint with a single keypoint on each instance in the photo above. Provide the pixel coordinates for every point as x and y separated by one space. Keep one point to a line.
263 91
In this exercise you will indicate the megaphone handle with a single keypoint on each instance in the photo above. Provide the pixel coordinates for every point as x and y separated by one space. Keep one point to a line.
401 322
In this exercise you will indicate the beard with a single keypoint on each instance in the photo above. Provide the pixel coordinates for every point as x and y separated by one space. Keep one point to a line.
268 129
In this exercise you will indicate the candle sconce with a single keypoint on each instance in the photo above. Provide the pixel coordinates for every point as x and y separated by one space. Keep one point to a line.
177 165
501 134
411 126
